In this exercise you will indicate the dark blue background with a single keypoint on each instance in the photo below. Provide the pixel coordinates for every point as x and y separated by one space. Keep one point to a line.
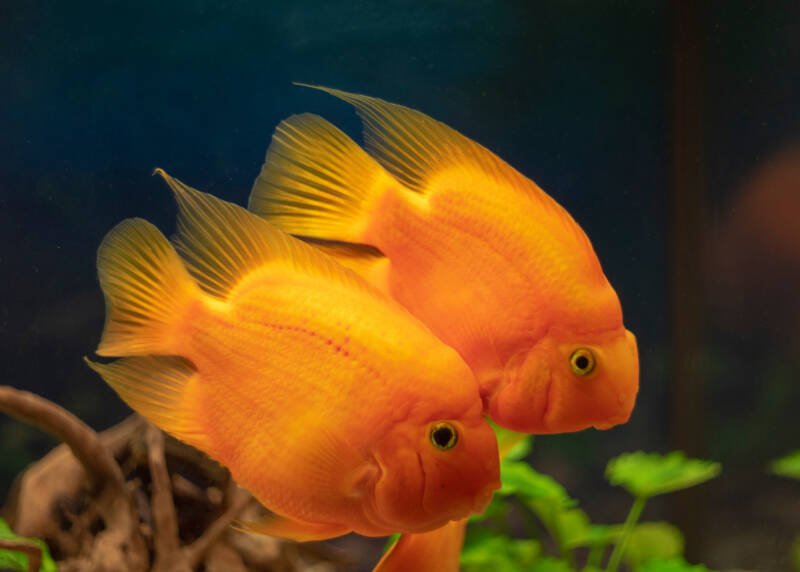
576 95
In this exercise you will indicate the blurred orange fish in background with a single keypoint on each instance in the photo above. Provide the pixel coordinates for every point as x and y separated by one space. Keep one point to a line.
327 400
752 262
485 258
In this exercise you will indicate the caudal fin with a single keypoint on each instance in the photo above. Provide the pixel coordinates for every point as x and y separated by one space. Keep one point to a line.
160 388
147 290
316 182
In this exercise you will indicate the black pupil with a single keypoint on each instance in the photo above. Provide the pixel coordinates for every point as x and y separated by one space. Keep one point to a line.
582 362
442 436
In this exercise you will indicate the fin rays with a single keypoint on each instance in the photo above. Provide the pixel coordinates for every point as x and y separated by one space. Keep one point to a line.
222 243
317 182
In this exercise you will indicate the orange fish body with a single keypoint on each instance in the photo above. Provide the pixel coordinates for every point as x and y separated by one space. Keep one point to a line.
485 258
337 409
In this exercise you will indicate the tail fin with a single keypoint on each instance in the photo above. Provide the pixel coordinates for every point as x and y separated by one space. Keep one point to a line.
160 389
317 183
147 291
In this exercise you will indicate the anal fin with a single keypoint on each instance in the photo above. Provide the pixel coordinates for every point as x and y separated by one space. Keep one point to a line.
293 529
435 551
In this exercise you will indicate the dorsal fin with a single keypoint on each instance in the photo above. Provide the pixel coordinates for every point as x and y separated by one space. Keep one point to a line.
317 182
412 146
222 243
415 149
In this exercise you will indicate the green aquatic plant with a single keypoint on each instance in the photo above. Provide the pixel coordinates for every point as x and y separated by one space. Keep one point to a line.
16 552
671 565
560 534
645 475
789 466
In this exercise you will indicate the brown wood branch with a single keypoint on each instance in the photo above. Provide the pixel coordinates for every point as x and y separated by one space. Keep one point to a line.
186 489
32 550
100 466
121 546
239 499
165 540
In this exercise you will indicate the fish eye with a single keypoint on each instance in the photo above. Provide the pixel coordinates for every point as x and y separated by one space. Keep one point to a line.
444 436
582 361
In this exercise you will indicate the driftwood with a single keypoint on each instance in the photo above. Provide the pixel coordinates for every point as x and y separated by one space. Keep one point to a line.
130 500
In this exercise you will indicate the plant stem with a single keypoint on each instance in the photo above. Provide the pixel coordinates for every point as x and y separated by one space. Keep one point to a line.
595 556
557 534
627 529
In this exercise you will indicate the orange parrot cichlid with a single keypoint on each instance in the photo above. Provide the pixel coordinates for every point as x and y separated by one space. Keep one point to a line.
479 253
327 400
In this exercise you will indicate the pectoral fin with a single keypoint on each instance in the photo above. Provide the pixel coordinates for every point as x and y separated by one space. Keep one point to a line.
365 261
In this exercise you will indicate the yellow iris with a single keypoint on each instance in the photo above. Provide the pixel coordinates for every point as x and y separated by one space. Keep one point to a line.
582 362
444 436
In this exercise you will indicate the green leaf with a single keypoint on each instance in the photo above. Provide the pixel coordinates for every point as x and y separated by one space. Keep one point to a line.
595 535
671 565
497 509
570 525
519 450
649 474
788 466
18 561
521 479
391 541
511 445
485 549
653 540
550 565
13 560
542 494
